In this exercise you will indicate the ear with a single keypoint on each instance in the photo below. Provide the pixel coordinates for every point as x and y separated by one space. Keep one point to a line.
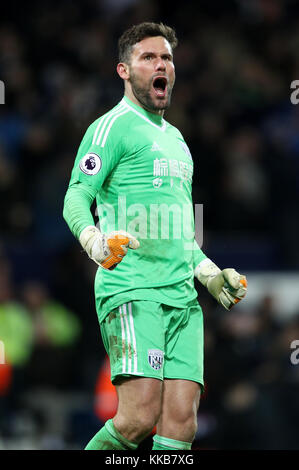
123 70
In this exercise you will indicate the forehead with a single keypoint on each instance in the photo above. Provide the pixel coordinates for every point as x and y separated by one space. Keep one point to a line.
157 44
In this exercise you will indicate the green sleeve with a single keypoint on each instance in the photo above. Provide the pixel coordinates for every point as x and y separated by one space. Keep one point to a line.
76 210
198 255
95 160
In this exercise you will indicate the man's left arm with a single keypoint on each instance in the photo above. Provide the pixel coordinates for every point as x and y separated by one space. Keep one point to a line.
227 286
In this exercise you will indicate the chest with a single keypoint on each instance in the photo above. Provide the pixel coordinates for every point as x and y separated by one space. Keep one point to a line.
159 158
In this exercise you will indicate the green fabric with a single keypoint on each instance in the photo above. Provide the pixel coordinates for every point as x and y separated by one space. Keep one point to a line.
140 170
76 210
108 438
198 255
179 295
157 446
165 443
149 339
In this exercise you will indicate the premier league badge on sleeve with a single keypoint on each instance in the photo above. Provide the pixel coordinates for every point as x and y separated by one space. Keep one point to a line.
90 164
155 358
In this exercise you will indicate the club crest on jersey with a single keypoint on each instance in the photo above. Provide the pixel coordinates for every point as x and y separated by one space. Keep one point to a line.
90 164
186 149
155 358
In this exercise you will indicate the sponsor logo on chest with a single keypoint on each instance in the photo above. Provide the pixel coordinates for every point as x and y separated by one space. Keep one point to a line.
172 167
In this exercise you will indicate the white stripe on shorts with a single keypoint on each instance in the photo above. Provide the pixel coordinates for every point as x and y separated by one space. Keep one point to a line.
129 345
123 340
129 339
133 337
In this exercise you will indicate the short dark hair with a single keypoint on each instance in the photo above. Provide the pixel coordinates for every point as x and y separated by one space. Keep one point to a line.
141 31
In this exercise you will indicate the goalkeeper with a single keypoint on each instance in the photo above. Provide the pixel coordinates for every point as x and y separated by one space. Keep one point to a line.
134 163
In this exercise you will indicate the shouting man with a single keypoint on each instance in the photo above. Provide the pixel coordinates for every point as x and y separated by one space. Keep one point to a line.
134 162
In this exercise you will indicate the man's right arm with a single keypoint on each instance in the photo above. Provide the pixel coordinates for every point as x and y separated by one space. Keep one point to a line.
95 160
106 250
76 209
93 163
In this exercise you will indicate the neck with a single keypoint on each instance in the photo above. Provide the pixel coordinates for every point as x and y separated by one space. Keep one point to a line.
129 94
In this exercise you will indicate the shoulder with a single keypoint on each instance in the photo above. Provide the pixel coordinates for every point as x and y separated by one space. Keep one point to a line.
114 123
173 130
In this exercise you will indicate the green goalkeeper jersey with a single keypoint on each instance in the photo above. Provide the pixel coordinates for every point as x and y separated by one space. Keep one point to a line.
139 169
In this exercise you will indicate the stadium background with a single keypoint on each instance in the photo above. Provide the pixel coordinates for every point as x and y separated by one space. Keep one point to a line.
235 64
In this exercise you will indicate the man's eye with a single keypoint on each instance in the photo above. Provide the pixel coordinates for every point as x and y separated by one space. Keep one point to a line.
148 57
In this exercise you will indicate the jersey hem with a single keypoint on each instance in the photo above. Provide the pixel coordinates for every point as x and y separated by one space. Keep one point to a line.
166 283
123 298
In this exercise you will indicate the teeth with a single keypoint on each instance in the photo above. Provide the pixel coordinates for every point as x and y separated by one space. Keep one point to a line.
159 91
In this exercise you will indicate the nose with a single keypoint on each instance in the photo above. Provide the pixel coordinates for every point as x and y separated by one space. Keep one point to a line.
160 64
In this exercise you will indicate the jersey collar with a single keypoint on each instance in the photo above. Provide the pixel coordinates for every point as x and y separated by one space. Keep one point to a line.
154 119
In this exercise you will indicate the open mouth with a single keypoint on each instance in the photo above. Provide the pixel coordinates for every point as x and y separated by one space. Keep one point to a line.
160 86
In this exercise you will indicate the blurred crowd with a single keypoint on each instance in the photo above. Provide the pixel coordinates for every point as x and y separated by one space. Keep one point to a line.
235 63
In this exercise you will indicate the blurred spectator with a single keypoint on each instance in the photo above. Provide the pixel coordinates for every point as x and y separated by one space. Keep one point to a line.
245 181
56 332
17 337
105 393
16 329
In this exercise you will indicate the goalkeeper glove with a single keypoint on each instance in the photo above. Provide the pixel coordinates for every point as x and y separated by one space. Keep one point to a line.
228 287
107 250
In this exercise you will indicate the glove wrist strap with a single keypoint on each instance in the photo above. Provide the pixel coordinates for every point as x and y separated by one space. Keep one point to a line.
206 270
87 238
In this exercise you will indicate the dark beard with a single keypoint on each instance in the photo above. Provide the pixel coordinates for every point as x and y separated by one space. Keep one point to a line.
144 97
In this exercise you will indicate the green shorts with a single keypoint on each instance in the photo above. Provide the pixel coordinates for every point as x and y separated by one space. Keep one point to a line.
149 339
